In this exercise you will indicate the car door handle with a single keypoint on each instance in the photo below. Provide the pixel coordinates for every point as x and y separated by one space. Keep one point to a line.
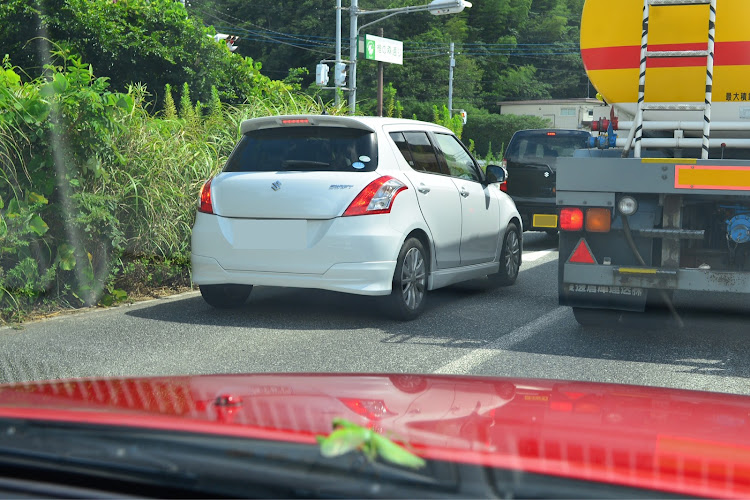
464 192
423 189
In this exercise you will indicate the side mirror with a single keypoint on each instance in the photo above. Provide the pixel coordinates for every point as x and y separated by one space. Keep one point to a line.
495 174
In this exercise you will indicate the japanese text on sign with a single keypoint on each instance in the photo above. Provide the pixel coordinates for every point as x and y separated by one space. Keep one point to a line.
384 50
612 290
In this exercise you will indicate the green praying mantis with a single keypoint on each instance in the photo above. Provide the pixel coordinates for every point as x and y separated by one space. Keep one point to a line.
348 436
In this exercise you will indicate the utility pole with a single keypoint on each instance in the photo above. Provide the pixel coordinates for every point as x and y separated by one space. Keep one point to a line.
450 83
336 97
353 42
435 7
380 81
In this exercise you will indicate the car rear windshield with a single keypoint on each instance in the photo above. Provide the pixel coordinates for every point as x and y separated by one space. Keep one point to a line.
308 149
546 146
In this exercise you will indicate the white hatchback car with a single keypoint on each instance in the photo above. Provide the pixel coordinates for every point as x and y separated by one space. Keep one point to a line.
363 205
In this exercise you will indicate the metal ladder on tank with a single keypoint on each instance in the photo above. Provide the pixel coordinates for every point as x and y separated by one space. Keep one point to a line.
647 54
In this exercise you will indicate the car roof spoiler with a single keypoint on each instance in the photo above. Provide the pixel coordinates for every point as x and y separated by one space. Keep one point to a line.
302 120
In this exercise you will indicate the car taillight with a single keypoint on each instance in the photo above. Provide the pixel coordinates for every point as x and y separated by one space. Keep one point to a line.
504 186
376 198
571 219
204 204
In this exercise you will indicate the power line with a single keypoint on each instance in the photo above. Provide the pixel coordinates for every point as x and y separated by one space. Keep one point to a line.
274 40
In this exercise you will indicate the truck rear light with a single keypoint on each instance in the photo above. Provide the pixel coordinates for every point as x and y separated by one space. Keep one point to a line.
204 202
598 220
571 219
376 198
582 254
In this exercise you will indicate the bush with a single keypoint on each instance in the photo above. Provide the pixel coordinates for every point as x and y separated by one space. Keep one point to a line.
95 192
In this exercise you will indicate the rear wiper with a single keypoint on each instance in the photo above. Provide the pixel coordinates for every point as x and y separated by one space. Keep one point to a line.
305 164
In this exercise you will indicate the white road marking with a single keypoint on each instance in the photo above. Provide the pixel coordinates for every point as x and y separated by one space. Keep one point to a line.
532 256
466 363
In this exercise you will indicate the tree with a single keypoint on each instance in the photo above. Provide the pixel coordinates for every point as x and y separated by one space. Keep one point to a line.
153 42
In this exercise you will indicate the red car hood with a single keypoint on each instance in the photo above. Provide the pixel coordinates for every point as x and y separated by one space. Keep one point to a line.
670 440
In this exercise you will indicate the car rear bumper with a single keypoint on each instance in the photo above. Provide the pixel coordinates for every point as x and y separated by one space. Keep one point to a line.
362 278
528 209
347 254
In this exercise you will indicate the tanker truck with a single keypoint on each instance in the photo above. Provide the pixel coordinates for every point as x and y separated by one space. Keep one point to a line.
661 202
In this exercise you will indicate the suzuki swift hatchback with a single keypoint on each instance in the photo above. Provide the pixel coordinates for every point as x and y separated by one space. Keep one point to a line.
363 205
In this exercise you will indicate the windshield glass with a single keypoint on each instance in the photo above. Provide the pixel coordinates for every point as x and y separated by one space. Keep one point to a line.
546 146
305 148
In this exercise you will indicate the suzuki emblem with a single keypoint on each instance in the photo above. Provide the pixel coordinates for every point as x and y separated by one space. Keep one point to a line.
546 174
276 185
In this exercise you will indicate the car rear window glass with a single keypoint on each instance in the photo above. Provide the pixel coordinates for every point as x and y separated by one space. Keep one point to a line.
306 148
545 146
403 147
422 152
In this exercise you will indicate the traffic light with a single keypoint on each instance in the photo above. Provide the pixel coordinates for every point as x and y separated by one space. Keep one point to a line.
339 74
321 75
231 40
463 114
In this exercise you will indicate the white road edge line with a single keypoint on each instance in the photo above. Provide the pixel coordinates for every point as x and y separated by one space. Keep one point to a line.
467 362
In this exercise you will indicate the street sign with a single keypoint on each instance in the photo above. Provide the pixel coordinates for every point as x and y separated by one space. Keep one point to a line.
384 49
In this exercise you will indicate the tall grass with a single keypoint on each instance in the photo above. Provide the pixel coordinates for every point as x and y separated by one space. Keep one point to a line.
167 161
102 194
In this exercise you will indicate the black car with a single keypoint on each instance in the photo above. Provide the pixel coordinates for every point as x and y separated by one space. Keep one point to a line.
531 162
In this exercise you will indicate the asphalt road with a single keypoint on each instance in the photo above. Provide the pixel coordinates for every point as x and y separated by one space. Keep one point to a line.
517 331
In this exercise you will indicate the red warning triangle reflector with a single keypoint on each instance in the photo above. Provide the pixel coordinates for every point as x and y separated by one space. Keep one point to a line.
582 254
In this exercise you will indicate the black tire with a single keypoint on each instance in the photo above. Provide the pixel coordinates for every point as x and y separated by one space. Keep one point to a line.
409 290
596 317
225 296
510 258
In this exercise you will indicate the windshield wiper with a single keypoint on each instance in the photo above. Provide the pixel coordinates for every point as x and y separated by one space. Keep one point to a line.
306 165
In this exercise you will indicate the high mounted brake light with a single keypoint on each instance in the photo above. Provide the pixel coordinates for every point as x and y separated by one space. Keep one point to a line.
377 197
295 121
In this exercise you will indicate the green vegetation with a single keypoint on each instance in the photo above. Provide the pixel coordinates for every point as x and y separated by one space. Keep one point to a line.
98 195
505 49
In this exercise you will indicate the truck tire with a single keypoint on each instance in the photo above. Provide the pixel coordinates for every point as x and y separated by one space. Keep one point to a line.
596 317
